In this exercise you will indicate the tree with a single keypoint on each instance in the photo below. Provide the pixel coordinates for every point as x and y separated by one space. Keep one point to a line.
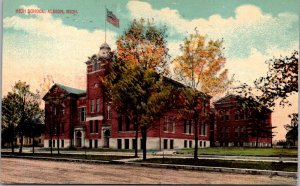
292 128
24 105
10 118
136 82
281 80
258 114
55 118
201 68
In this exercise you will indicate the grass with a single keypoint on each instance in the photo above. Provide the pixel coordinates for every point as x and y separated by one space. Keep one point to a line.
242 151
75 156
277 166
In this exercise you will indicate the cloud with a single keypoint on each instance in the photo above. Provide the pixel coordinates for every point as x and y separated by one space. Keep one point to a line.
42 45
248 28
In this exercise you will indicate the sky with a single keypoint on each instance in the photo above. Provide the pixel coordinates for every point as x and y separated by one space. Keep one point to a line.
57 45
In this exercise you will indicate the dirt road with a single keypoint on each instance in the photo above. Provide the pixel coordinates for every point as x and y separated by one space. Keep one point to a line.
43 172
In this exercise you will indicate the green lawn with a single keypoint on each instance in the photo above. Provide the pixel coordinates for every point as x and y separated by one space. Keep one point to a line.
290 167
75 156
240 151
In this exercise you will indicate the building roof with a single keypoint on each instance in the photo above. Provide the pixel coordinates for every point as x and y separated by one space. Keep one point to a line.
233 99
67 89
70 90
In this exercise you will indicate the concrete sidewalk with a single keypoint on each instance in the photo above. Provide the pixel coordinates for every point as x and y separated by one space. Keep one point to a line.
167 154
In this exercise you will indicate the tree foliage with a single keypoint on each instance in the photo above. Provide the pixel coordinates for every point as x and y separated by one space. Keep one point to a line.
136 81
257 113
21 107
201 68
281 80
201 64
292 128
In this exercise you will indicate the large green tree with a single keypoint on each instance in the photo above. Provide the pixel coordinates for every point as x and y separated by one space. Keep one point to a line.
201 67
281 80
24 105
10 118
136 83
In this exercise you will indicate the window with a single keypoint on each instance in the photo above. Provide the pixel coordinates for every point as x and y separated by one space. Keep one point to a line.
227 132
222 116
242 116
227 116
190 126
91 143
166 123
190 144
96 143
119 143
91 127
98 105
50 143
200 144
173 124
204 144
236 116
126 143
92 105
171 144
94 66
204 129
127 122
82 114
185 143
184 126
236 132
53 142
62 143
96 126
119 122
108 112
133 143
165 144
223 132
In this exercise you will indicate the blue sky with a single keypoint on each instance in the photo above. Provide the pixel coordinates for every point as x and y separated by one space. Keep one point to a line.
38 45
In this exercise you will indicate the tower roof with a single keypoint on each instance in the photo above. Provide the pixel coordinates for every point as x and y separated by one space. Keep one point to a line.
105 46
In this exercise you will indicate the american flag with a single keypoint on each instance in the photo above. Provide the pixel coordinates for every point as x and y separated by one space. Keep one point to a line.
111 18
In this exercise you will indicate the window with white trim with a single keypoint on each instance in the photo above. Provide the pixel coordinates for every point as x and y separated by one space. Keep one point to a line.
108 112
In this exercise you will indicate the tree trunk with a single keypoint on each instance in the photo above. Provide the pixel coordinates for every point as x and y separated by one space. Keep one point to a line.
12 141
32 145
12 146
51 145
256 146
57 143
136 140
144 143
21 144
196 139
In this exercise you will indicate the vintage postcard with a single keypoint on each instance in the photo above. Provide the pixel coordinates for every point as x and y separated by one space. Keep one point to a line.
150 92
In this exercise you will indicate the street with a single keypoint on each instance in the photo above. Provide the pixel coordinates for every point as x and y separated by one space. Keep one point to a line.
23 171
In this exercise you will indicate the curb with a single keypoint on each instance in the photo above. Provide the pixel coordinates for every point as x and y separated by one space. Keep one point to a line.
217 169
64 159
168 166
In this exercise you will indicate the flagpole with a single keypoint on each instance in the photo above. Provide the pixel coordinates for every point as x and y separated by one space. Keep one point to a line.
105 12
